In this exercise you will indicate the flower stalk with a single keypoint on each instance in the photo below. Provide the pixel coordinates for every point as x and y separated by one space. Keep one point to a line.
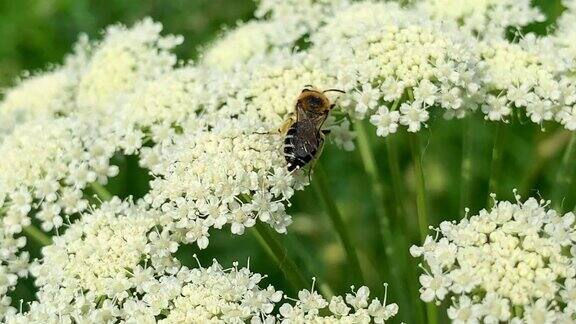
431 309
377 188
466 166
321 188
420 185
37 235
392 243
565 175
277 251
100 191
396 178
496 163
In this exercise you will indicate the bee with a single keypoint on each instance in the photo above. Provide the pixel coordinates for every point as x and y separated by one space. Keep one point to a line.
304 136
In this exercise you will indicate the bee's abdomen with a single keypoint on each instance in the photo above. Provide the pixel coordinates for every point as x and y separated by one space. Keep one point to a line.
296 152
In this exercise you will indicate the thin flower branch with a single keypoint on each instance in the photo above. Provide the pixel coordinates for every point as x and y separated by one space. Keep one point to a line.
495 165
565 175
37 235
320 185
421 206
269 240
392 242
100 191
466 164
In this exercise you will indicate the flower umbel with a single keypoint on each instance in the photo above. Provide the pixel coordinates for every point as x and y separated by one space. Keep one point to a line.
513 262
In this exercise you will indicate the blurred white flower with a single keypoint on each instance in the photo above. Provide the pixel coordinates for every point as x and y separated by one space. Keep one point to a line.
413 115
485 18
386 121
41 96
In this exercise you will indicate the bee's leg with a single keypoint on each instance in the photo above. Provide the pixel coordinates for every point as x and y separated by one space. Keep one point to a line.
291 118
326 131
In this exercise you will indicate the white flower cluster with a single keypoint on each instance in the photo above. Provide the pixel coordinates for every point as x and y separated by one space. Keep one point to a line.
56 143
354 308
516 262
564 40
190 120
14 265
47 176
384 55
526 75
45 167
396 56
195 127
483 18
215 179
564 37
123 61
117 264
37 97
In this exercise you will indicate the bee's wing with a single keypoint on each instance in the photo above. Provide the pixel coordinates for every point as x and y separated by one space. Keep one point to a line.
308 136
317 121
300 113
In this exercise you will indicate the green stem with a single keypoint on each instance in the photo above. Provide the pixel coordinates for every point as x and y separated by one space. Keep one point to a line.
432 313
100 191
397 184
321 186
431 309
396 175
398 212
391 244
546 150
37 235
420 186
395 104
275 248
565 175
466 167
100 300
377 188
496 163
518 311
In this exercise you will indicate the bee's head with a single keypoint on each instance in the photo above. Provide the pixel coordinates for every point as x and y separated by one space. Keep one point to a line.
314 102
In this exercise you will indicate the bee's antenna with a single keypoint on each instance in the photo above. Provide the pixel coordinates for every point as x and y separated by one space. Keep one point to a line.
334 90
308 86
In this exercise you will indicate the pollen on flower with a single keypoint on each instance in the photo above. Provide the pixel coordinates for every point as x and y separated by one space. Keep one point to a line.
512 257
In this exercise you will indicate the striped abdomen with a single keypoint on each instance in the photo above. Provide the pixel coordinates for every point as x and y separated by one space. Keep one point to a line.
301 145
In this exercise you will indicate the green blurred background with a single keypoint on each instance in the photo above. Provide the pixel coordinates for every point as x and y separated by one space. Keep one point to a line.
36 33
